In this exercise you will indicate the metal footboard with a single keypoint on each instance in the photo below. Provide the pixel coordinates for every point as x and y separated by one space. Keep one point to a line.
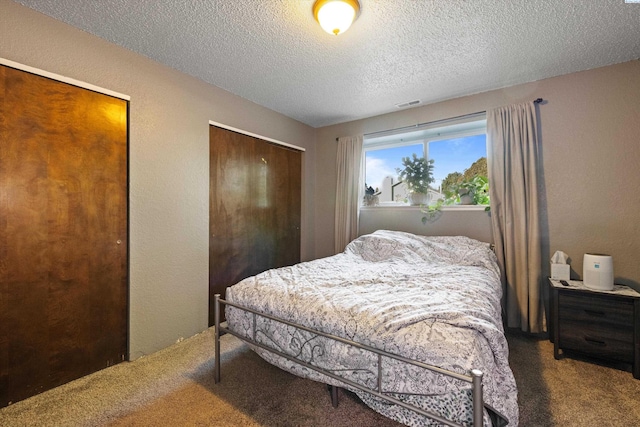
475 377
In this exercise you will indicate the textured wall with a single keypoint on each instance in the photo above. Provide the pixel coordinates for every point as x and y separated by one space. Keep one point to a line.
591 150
475 224
169 165
590 125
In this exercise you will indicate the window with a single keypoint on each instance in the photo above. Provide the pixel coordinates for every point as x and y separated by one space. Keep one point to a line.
457 154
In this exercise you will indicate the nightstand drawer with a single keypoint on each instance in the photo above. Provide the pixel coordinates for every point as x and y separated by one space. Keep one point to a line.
599 323
597 311
598 341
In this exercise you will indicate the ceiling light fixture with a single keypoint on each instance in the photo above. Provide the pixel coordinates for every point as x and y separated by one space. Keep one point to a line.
336 16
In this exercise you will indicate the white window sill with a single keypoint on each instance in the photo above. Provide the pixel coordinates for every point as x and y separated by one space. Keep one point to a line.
404 207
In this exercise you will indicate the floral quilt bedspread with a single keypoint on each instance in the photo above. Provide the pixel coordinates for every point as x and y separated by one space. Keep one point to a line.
431 299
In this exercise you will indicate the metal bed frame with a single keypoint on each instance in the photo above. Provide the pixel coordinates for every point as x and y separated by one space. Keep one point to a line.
475 377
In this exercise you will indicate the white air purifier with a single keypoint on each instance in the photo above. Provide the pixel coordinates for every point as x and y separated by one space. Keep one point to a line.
598 271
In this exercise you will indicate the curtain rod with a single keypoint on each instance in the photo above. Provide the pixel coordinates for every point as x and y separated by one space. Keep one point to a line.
535 101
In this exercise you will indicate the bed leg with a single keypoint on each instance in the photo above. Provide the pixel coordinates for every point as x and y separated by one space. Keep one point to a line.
334 395
216 316
478 403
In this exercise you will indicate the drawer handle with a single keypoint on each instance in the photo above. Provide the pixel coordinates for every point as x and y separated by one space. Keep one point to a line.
596 342
595 313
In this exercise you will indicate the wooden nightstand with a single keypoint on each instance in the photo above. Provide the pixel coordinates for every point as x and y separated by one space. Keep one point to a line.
601 324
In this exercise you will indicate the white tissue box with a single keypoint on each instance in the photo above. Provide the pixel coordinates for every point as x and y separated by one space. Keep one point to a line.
560 271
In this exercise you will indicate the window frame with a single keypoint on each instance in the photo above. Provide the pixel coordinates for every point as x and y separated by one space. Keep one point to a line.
478 126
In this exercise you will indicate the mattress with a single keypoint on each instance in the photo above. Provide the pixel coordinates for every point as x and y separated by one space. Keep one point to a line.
431 299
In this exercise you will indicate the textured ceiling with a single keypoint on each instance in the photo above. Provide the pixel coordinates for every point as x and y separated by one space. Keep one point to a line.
273 53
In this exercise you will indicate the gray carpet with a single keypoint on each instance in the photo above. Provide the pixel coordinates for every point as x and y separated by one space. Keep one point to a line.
174 387
572 391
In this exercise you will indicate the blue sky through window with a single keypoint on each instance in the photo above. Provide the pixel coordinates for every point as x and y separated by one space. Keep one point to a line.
450 155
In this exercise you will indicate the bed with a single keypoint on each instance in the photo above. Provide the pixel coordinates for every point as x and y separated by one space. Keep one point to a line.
409 323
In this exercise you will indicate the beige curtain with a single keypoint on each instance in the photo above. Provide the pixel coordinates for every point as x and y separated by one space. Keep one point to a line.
513 171
349 190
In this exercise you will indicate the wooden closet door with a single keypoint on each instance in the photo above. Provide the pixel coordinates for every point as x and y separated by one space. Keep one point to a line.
63 233
254 210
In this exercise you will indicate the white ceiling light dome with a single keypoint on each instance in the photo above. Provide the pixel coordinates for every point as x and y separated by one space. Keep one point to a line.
336 16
